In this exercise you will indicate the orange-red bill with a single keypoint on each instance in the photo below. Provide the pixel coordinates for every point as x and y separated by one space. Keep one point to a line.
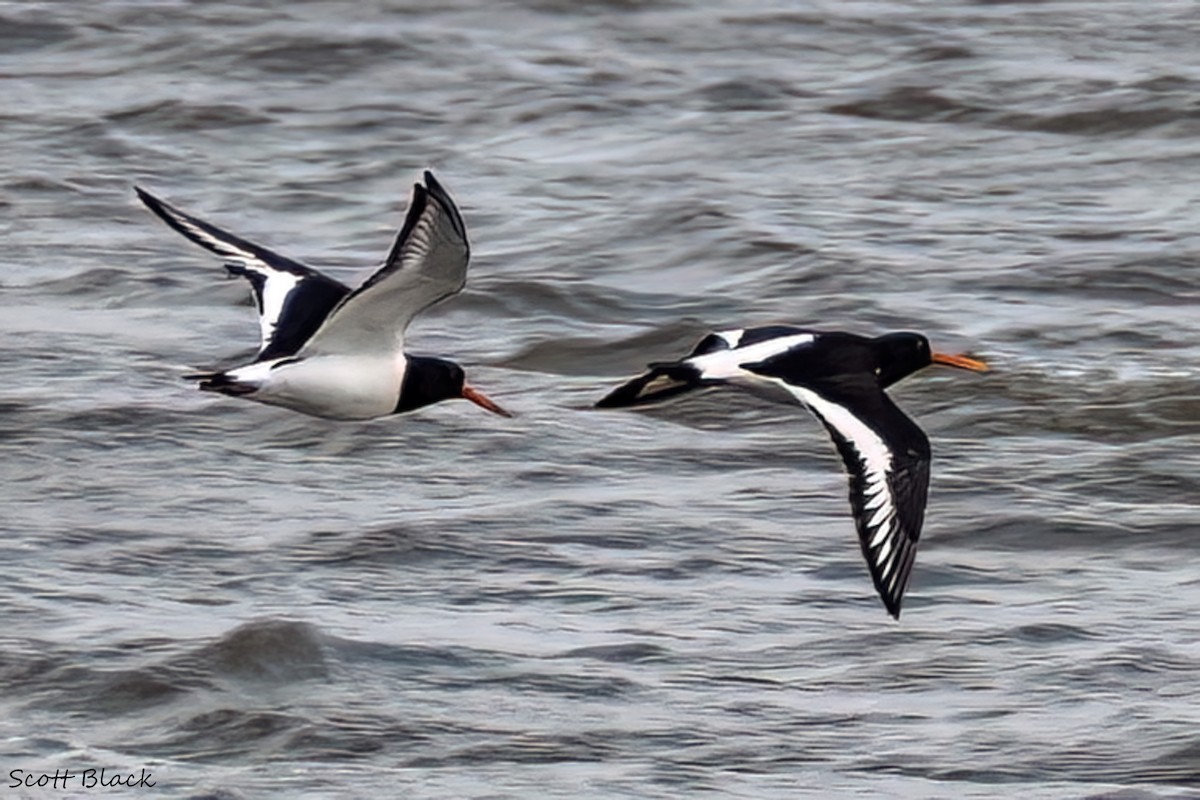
962 362
483 401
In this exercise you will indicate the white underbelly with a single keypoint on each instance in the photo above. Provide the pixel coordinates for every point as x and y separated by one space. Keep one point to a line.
337 387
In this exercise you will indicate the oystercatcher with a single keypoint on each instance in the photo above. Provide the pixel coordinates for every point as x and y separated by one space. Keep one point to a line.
332 351
840 378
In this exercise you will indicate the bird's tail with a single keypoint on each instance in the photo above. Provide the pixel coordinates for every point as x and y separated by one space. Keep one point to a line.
222 382
660 382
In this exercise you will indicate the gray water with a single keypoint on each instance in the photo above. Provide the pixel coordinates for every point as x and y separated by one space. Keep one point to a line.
249 603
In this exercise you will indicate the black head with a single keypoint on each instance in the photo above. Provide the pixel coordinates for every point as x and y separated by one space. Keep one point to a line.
428 381
899 355
432 380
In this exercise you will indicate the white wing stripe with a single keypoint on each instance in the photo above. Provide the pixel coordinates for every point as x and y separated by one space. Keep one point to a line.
881 515
876 457
881 535
874 453
884 551
220 246
875 496
732 337
727 364
275 292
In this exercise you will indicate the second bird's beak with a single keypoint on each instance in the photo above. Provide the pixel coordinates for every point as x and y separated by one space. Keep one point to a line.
483 401
962 362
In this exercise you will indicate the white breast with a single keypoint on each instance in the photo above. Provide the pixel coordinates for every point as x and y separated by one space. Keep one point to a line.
337 387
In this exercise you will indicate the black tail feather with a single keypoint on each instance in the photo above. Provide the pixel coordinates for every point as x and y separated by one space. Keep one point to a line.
220 382
661 382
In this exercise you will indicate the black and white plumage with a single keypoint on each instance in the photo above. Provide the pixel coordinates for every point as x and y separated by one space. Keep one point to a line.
840 378
332 351
292 299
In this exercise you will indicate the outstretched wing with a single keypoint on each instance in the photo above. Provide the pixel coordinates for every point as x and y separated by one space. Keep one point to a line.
292 299
427 263
887 458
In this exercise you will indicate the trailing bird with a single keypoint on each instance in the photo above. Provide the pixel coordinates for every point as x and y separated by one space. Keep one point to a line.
840 378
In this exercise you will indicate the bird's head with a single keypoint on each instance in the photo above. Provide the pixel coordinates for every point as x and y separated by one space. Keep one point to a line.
899 355
431 380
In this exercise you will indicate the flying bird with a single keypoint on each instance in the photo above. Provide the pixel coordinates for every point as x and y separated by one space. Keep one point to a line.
840 378
332 351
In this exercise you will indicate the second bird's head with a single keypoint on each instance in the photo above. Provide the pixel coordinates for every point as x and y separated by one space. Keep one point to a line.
901 354
431 380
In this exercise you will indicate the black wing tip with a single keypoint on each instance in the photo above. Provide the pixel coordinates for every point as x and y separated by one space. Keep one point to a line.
416 207
436 188
891 598
419 204
439 193
892 595
227 244
617 398
172 216
150 201
662 382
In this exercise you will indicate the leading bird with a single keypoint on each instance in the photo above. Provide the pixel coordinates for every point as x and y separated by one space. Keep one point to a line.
332 351
840 378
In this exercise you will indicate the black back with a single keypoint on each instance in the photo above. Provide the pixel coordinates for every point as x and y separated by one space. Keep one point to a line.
752 336
833 359
846 358
427 381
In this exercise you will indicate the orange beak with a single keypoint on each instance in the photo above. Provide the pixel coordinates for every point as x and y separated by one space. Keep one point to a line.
483 401
962 362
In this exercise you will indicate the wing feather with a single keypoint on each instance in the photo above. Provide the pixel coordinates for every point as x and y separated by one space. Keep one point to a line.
887 462
886 456
427 263
292 299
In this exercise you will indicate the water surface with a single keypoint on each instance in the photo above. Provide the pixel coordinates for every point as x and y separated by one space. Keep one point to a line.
250 603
